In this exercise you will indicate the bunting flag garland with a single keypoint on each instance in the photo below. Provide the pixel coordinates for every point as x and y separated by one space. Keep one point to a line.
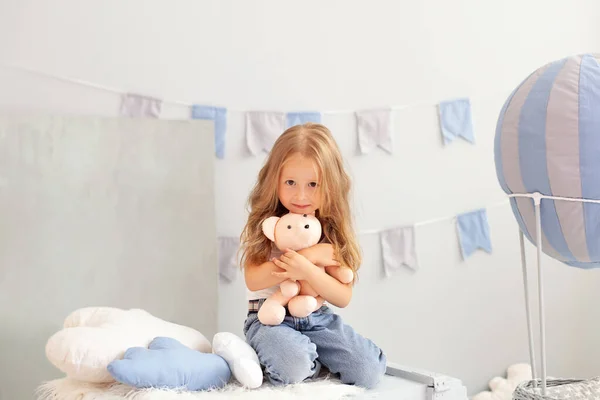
456 120
398 244
138 106
228 263
219 116
374 129
298 118
374 126
262 129
398 249
474 232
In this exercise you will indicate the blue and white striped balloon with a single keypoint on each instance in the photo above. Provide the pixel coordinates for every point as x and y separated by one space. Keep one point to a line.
548 141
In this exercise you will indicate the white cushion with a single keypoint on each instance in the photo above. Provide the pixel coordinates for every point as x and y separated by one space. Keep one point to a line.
95 336
240 357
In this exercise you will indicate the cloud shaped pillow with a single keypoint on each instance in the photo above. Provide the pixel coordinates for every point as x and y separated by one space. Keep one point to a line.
93 337
167 363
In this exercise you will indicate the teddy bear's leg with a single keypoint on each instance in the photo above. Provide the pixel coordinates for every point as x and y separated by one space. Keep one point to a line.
302 306
272 311
289 288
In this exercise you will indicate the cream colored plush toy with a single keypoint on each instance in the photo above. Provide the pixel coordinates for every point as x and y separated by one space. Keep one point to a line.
501 388
93 337
295 232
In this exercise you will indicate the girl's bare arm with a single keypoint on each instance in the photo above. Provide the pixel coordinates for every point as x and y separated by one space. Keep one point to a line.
333 291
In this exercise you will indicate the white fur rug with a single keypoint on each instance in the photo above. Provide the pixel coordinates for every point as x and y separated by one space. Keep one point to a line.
320 389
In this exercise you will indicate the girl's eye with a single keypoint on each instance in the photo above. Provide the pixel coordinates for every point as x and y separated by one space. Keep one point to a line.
289 182
313 184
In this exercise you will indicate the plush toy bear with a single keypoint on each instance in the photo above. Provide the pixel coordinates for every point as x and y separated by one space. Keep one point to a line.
295 232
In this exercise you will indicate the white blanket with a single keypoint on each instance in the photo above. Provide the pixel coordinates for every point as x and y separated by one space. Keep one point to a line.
321 389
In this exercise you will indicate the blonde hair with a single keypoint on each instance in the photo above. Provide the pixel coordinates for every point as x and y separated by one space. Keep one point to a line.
313 141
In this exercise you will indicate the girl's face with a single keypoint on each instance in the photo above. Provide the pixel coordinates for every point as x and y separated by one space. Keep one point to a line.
299 187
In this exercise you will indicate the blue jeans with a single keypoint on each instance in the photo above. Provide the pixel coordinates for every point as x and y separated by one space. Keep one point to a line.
294 351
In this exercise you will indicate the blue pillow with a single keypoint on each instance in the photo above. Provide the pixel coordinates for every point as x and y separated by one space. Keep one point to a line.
167 363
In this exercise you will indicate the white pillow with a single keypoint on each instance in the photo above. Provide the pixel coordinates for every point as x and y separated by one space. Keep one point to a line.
93 337
241 358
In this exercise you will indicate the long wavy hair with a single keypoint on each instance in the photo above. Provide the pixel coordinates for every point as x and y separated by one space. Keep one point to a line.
315 142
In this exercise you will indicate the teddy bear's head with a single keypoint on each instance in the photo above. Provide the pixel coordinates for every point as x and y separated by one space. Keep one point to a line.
293 231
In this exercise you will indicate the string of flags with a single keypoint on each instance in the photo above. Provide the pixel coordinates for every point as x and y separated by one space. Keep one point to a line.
374 127
398 244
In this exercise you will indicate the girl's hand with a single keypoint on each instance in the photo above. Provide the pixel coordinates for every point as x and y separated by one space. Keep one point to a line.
321 255
296 266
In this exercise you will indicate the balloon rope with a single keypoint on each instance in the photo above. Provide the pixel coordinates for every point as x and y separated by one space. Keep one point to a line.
538 233
528 310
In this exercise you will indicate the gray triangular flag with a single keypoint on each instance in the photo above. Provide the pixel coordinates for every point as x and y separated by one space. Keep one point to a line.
228 265
262 129
135 105
374 129
398 248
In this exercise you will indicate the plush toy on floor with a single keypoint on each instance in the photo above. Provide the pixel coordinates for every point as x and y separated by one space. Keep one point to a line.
241 358
167 363
295 232
105 344
503 388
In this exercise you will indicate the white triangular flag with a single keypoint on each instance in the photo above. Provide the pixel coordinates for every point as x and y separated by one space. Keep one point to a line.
228 265
374 129
262 129
398 249
135 105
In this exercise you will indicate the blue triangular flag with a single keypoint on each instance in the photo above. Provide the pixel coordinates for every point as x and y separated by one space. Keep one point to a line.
219 116
298 118
456 120
474 232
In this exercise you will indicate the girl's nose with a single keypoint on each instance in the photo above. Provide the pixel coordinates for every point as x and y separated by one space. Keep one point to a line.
301 193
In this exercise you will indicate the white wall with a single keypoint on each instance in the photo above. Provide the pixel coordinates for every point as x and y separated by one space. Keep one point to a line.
462 318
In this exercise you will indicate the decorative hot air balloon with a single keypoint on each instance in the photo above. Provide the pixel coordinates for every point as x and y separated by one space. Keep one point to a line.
547 153
548 141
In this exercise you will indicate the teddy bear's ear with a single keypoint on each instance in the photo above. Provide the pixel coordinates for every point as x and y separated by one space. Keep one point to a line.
268 227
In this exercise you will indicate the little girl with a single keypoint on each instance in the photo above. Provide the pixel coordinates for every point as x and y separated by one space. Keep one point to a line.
304 174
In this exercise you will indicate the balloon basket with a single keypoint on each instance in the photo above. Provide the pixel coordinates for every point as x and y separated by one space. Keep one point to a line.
567 389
